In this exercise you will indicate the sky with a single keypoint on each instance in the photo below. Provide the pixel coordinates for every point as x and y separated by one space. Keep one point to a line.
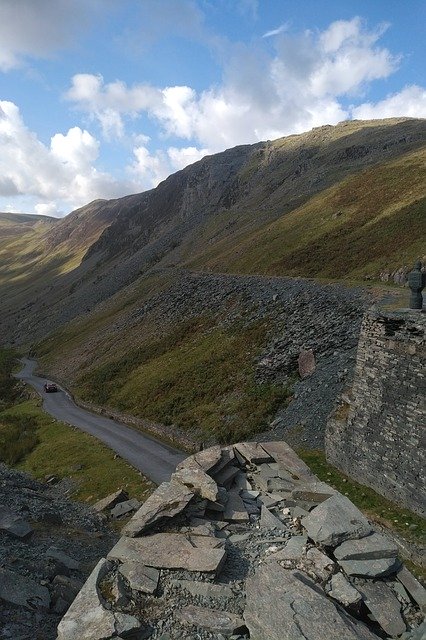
102 98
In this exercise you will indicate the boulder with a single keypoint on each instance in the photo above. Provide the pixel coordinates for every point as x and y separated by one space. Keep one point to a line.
320 564
88 619
13 524
167 501
23 591
168 551
211 620
384 606
283 604
336 520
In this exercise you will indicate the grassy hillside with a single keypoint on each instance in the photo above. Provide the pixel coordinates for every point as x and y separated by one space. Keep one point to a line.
374 220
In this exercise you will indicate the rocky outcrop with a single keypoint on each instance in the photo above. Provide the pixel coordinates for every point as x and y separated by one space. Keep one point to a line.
252 560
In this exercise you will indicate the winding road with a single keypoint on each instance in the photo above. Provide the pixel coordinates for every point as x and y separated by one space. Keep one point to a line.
156 460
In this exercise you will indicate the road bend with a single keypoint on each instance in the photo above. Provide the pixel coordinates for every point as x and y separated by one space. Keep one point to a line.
156 460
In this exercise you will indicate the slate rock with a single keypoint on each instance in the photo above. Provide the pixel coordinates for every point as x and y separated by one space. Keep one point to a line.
288 460
167 501
336 520
88 619
373 547
197 480
320 563
168 551
269 521
342 591
315 492
206 459
376 568
253 452
294 549
235 510
140 577
283 605
212 620
125 507
110 501
13 524
23 591
384 606
415 589
63 558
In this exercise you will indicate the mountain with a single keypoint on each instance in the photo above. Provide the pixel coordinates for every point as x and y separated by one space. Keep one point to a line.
113 287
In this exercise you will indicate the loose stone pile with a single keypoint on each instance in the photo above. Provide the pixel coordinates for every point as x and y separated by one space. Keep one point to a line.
245 542
49 544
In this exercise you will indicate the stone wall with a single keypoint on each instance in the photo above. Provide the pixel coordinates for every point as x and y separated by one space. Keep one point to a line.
377 432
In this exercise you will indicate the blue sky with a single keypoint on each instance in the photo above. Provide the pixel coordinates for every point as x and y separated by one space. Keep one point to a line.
103 98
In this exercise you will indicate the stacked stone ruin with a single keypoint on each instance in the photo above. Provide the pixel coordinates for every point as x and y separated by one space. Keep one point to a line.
246 542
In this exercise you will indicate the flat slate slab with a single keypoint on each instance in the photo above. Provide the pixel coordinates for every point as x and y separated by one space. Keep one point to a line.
375 568
283 605
140 577
110 501
269 521
384 606
23 591
212 620
63 558
168 551
294 549
342 591
235 510
253 452
413 586
288 460
13 524
371 547
127 506
336 520
206 589
167 501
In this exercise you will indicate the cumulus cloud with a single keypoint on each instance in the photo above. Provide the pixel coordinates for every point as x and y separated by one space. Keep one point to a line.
38 28
411 102
63 171
151 168
262 95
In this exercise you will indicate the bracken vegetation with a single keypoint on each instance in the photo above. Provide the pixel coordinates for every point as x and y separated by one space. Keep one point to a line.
197 377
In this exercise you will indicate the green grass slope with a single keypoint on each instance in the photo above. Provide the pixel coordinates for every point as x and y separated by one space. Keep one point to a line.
370 221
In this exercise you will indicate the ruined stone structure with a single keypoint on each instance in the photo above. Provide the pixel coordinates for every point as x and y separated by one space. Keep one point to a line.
377 433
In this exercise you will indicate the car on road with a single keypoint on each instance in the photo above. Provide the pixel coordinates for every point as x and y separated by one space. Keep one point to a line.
50 387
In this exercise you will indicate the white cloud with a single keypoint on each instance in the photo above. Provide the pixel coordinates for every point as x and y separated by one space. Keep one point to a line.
277 31
36 28
411 102
63 172
262 95
47 209
149 169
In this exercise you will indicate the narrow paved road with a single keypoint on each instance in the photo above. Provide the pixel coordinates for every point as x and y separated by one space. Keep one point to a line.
153 458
